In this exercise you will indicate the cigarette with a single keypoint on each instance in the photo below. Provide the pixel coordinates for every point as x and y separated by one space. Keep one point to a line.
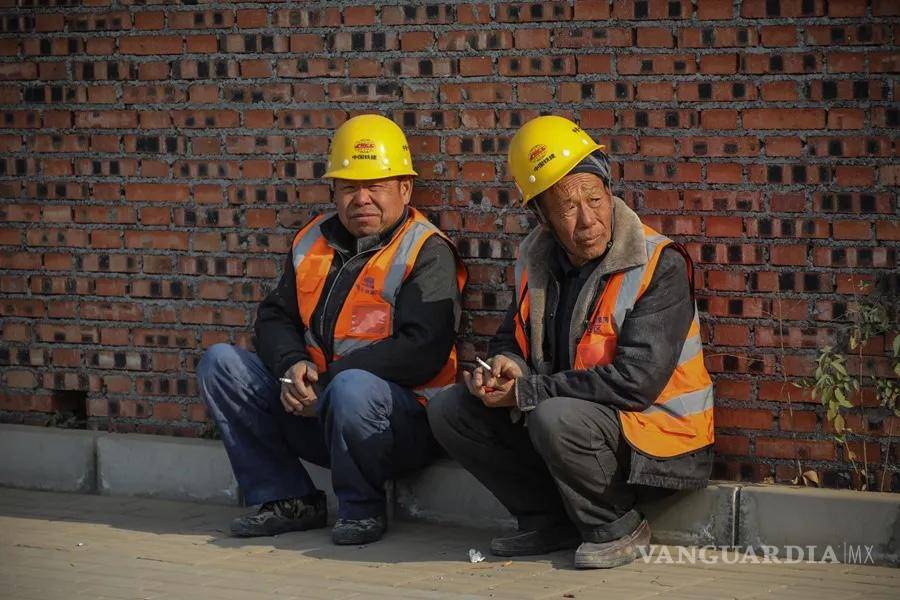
483 364
285 380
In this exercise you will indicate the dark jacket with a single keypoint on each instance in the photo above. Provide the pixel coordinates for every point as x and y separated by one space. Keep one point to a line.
426 316
647 350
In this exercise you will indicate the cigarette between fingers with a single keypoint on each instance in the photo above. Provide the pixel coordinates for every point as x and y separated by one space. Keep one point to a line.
482 364
285 380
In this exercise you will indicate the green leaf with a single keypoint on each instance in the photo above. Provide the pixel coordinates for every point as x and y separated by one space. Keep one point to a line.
839 423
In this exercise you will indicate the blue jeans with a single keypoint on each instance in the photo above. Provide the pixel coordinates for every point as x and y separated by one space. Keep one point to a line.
367 431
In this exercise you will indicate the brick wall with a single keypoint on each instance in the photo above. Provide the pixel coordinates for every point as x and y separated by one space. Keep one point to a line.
156 160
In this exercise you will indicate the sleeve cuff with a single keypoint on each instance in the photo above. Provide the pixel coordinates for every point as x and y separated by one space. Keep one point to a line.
528 393
523 366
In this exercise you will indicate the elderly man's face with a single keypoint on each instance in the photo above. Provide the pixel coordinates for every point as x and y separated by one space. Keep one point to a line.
371 206
579 208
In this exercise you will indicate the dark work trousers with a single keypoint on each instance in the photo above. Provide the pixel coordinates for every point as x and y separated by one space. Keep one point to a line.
565 463
367 431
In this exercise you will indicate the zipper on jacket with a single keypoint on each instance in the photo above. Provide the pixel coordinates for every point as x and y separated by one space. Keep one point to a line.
328 297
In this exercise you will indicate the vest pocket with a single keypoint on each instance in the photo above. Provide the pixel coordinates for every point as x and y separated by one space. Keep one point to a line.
598 350
370 320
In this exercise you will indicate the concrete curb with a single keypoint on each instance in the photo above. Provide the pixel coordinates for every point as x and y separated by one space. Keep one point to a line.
44 458
446 493
197 470
174 469
723 514
704 517
852 524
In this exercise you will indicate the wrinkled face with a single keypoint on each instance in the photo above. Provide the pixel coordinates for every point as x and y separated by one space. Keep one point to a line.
371 206
579 208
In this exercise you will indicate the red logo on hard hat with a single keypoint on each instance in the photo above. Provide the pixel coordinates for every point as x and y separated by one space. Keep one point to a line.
536 152
365 145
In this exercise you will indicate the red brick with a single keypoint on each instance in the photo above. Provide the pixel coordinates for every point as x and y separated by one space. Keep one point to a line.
474 66
715 9
887 230
151 45
778 35
532 38
798 420
719 119
784 118
157 192
794 449
724 227
414 41
731 335
852 230
359 15
654 37
719 64
732 444
252 18
591 10
743 418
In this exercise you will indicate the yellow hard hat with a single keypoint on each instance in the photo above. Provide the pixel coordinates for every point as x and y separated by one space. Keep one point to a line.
369 147
543 151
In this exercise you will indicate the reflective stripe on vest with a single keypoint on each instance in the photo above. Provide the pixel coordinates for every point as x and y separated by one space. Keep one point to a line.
681 418
367 315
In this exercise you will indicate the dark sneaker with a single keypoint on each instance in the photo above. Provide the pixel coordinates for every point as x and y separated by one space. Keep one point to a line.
615 553
281 516
536 541
348 532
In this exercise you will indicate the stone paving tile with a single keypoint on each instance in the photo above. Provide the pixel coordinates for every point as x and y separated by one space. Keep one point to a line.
79 546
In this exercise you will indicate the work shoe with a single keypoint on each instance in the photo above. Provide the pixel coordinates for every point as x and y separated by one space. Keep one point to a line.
536 541
347 532
616 553
281 516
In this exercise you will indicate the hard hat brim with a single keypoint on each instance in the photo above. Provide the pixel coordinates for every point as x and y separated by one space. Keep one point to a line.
355 175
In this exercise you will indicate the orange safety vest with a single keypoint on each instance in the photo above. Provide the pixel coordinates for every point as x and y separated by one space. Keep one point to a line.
680 420
367 315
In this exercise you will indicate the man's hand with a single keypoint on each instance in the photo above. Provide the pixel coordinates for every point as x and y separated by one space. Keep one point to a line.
495 387
299 397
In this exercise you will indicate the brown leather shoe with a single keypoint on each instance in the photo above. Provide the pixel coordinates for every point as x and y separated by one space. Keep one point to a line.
616 553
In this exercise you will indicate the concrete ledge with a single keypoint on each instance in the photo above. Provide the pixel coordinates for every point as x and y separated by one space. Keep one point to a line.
447 493
173 468
45 458
694 518
723 514
785 516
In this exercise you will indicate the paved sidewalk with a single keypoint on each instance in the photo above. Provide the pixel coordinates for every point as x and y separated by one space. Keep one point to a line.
56 545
